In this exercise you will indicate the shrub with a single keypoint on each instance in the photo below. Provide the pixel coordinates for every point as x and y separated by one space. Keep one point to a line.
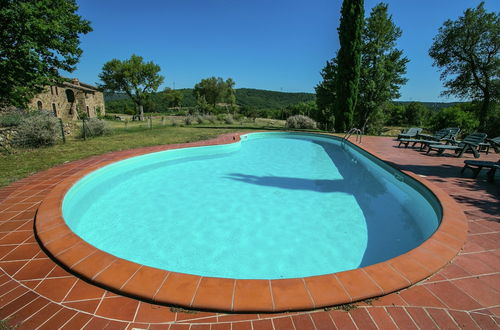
129 111
188 120
11 119
211 119
37 130
111 117
395 114
416 113
300 121
200 119
455 116
82 114
291 122
239 117
375 125
228 119
493 123
94 127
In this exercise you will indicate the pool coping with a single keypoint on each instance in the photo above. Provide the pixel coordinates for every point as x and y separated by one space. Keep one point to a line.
235 295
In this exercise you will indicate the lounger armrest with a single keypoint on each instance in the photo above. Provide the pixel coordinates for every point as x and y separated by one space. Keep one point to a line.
451 141
470 143
404 136
426 136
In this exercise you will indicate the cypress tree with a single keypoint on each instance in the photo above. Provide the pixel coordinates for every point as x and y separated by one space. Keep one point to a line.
348 60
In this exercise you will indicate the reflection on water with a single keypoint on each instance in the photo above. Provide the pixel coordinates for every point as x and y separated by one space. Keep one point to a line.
387 205
316 185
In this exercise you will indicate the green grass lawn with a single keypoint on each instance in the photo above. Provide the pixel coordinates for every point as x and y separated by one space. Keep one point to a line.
124 135
25 162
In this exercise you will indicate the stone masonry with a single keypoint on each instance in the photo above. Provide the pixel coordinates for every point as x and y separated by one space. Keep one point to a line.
70 100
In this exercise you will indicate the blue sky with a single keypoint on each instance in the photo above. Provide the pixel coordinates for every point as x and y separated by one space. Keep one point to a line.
274 45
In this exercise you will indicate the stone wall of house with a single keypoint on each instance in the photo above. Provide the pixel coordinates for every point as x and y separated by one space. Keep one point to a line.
69 99
93 103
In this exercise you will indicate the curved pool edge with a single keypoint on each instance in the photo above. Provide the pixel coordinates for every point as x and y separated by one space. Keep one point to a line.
234 295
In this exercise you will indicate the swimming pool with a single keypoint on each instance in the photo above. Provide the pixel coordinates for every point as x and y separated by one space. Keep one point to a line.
271 206
169 287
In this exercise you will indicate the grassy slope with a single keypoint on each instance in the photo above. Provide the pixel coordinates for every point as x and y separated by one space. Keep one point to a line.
25 162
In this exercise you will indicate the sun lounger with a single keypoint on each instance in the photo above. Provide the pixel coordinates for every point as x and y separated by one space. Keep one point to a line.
476 166
424 138
453 135
490 143
410 133
451 138
469 143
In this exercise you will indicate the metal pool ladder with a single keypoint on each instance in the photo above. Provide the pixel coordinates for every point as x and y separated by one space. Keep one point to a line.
358 132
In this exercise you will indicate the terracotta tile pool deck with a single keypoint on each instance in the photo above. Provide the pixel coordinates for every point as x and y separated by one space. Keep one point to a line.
37 292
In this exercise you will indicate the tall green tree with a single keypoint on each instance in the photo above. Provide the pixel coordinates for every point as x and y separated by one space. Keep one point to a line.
37 38
172 97
230 93
348 61
382 67
394 114
416 113
215 90
466 52
459 115
134 77
325 95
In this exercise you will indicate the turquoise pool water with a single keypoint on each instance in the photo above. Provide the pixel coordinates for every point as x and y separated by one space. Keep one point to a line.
275 205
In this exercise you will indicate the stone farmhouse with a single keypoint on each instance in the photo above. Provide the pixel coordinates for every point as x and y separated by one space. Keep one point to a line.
70 100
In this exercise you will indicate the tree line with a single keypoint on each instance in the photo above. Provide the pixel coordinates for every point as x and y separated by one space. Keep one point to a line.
368 69
247 99
358 83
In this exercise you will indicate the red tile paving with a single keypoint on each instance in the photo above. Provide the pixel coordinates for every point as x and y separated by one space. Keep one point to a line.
219 294
35 292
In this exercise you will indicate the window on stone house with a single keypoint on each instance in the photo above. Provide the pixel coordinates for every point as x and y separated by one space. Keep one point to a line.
39 105
54 108
70 96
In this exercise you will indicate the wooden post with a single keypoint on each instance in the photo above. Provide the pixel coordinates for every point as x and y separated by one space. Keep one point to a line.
84 130
61 125
141 112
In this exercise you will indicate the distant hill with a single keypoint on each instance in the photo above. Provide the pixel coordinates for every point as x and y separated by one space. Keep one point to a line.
257 99
254 98
263 99
431 105
108 97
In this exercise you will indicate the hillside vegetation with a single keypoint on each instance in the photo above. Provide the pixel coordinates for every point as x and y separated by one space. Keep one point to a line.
245 97
256 99
262 99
